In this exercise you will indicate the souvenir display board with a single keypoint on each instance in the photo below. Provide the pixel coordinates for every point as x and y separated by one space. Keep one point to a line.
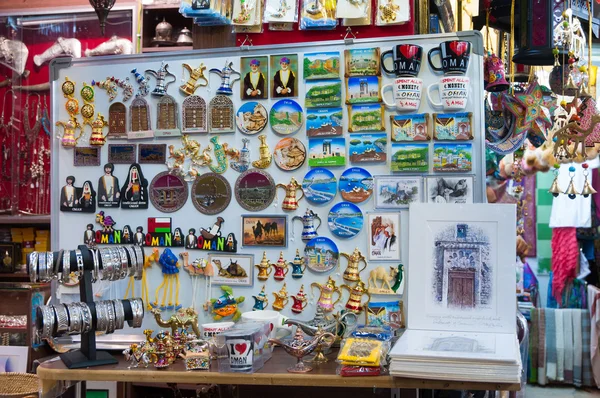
259 180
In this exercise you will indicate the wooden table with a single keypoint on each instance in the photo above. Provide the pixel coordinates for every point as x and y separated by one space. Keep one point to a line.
272 374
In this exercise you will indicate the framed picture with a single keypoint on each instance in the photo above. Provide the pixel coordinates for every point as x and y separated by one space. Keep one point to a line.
232 269
13 359
264 230
323 93
324 65
363 89
393 192
449 189
255 83
152 153
384 236
121 153
284 75
86 156
452 157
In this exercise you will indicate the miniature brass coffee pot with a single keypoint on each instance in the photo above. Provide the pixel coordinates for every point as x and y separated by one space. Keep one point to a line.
352 272
281 268
354 303
298 266
98 138
225 75
281 298
68 139
326 298
261 301
290 202
195 74
161 79
264 268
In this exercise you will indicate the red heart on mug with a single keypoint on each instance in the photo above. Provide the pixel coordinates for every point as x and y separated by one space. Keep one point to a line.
270 327
241 348
409 51
459 47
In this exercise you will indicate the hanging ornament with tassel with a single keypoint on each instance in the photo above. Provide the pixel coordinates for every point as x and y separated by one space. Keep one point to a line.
571 191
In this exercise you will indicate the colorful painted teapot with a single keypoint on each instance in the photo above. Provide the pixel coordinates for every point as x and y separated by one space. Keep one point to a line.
281 298
352 272
281 268
354 303
261 301
326 298
161 79
298 266
300 301
195 74
264 268
226 81
98 138
309 230
290 202
68 139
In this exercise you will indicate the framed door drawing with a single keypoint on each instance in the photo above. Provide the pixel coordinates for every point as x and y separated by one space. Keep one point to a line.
461 288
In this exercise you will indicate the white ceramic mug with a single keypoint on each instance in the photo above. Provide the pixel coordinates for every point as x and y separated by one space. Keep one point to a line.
275 320
454 91
406 92
209 330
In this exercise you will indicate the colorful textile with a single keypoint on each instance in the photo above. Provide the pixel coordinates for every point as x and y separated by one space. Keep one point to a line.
588 378
551 355
560 345
565 256
577 347
533 345
594 300
542 346
568 344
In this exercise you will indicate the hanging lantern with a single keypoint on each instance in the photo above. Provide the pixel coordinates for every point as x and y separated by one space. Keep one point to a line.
102 8
537 20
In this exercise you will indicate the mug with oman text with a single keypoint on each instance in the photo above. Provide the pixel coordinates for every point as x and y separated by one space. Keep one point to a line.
406 60
406 92
454 54
454 93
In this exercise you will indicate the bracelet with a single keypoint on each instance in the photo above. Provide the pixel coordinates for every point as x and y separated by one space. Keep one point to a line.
116 261
119 314
79 258
65 276
47 322
56 269
110 311
42 270
139 255
124 261
86 317
101 317
132 261
74 318
62 318
96 272
137 308
33 267
49 266
107 267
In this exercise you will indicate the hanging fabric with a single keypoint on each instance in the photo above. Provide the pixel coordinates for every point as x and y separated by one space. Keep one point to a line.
565 254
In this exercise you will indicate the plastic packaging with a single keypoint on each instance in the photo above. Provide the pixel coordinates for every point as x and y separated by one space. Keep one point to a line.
392 12
381 333
318 14
245 12
361 352
238 351
281 11
367 20
353 371
352 8
388 313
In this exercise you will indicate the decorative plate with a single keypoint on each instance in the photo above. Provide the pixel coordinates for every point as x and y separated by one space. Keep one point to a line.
345 220
255 190
289 154
320 186
286 117
211 193
356 185
321 254
251 118
168 192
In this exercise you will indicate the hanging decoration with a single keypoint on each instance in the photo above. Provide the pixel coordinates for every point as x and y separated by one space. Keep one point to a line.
102 8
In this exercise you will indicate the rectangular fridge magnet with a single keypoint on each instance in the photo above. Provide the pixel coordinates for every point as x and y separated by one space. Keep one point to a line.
452 126
410 127
452 157
368 117
410 158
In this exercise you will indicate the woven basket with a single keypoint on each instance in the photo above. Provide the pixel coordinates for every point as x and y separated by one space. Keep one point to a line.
18 385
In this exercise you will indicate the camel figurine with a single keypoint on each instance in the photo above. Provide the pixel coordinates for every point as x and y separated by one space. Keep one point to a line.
381 274
233 270
136 356
573 134
148 261
198 267
204 159
148 334
182 319
233 153
178 157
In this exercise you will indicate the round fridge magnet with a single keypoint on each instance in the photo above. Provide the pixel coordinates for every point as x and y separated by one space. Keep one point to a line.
251 118
321 254
345 220
286 117
289 154
211 193
356 185
255 190
168 192
319 185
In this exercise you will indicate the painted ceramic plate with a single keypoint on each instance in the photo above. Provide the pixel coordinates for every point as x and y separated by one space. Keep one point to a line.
286 117
321 254
255 190
345 220
168 192
320 186
289 154
251 118
356 185
211 193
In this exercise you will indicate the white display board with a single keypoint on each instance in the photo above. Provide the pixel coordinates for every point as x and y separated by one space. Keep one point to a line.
68 228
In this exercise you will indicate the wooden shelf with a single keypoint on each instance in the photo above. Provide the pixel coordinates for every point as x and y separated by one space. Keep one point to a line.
160 6
22 219
166 49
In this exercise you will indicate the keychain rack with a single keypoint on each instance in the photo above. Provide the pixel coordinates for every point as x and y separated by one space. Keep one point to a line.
87 355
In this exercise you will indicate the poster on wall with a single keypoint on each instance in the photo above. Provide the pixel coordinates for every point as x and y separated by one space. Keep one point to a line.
384 236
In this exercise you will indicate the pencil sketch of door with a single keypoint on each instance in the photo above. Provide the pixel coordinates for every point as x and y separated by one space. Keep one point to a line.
461 288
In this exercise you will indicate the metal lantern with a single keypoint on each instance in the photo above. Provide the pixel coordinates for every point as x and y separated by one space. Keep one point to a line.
535 41
102 8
